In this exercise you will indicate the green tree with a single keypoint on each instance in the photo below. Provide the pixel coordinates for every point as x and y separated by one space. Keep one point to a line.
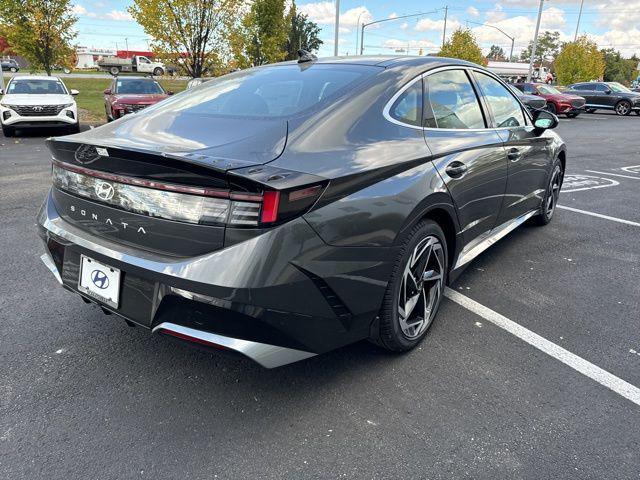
303 33
190 33
262 36
618 69
463 45
39 30
548 47
496 53
579 61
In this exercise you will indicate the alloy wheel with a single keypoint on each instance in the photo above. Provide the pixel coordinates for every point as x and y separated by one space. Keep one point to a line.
622 108
421 287
554 191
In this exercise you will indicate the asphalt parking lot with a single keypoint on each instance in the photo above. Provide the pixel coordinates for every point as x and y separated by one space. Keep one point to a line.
84 396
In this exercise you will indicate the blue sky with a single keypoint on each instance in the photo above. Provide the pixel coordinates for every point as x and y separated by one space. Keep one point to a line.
611 23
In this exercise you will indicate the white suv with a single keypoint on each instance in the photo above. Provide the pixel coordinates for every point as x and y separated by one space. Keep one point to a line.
37 101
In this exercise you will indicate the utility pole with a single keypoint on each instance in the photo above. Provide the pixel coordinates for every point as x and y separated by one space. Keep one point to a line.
335 37
126 42
575 37
358 31
535 42
444 30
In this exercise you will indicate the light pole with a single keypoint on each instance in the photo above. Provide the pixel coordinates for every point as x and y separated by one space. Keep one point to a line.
444 30
575 37
388 20
358 31
501 31
535 42
335 37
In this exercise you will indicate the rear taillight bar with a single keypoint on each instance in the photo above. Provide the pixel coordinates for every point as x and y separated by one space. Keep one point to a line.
205 206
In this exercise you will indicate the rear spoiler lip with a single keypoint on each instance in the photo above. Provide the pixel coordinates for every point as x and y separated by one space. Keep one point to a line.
236 171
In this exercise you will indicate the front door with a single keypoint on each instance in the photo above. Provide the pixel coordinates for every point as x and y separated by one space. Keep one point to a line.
468 156
528 154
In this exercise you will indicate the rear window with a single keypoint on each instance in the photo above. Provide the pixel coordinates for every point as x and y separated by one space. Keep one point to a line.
270 92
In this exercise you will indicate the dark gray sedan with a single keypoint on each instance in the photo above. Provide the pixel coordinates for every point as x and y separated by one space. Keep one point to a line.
286 210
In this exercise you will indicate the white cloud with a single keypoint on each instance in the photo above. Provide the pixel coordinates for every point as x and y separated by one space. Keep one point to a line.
473 11
626 41
324 13
628 14
119 15
495 15
393 15
404 26
429 25
81 11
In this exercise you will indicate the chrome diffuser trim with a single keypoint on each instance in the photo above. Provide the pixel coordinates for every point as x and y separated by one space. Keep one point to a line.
48 261
269 356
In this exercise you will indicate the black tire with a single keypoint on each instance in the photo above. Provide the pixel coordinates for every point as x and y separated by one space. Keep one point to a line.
13 69
158 71
551 108
8 131
114 71
623 108
390 334
573 115
546 213
590 110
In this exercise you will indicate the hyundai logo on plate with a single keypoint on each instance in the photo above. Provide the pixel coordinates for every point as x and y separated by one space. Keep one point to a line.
100 279
104 190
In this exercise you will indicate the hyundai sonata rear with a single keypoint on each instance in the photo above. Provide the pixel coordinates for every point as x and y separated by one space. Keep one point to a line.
287 210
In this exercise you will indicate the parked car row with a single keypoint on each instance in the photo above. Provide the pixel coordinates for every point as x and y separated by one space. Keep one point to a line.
585 96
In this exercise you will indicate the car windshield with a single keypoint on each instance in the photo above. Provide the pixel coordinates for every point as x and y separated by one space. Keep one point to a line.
138 87
36 87
548 90
268 92
617 87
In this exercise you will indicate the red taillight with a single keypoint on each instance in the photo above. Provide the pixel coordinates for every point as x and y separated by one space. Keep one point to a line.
270 204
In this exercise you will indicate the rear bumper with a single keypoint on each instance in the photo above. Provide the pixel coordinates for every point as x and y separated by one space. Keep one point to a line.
279 297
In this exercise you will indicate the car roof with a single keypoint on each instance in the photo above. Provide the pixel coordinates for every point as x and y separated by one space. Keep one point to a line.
134 77
387 60
35 77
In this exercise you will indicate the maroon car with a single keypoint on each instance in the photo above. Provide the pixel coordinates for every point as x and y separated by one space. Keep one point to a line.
130 94
557 102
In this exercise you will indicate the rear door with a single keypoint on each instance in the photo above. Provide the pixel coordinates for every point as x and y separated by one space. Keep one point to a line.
529 158
468 155
602 97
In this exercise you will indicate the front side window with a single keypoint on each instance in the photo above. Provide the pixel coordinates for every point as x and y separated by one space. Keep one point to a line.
139 87
37 87
601 87
452 102
506 110
408 107
618 87
530 89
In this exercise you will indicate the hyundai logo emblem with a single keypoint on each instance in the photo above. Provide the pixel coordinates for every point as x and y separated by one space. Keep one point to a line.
36 109
100 279
104 190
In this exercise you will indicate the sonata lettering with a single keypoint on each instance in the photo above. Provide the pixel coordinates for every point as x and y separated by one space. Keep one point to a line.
108 221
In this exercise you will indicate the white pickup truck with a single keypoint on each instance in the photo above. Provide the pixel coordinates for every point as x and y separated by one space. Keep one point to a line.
137 63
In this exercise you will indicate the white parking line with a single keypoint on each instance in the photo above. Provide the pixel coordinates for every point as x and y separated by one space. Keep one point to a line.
599 215
579 364
613 174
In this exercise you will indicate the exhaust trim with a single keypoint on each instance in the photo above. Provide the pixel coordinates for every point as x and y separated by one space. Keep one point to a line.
269 356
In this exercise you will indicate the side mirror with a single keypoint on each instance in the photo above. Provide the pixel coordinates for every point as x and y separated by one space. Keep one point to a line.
544 120
1 91
74 92
608 91
107 91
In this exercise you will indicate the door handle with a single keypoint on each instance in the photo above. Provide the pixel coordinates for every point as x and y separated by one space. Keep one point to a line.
456 169
514 155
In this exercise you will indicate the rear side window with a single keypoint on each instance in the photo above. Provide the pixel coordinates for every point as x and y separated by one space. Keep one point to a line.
580 87
601 87
506 110
408 107
451 102
530 89
268 92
